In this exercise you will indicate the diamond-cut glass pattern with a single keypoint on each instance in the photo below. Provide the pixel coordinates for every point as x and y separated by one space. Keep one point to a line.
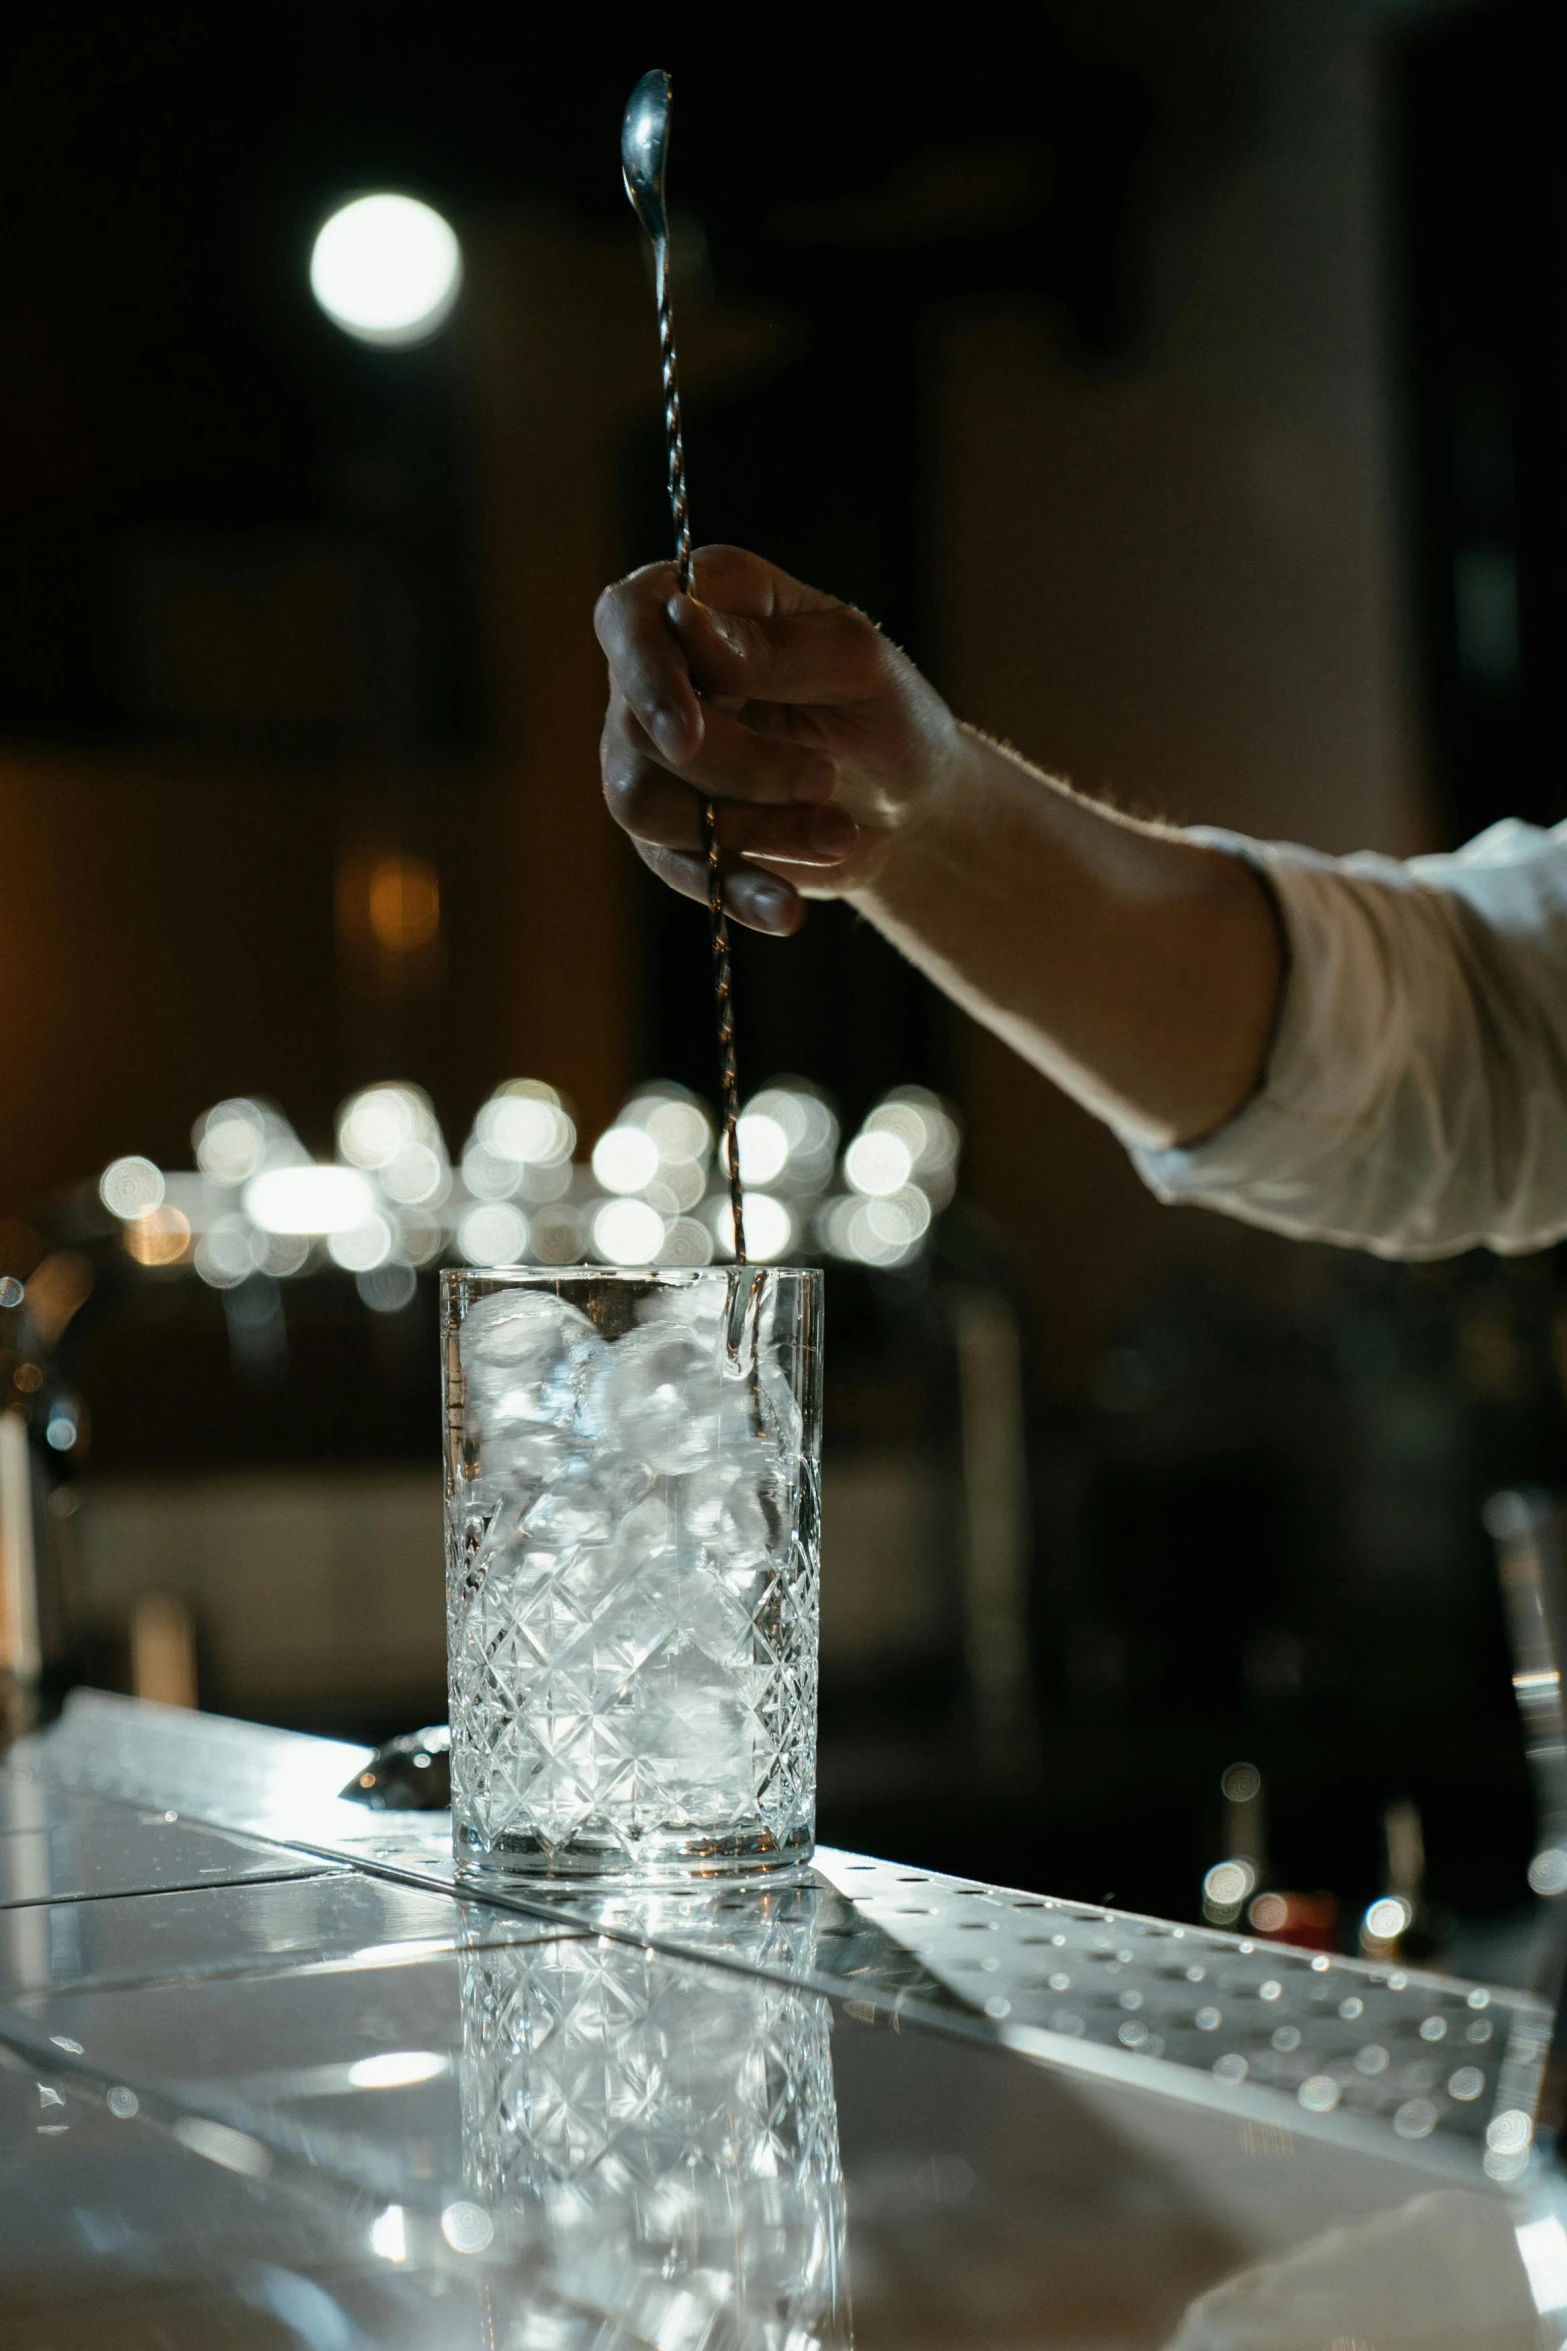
673 2128
632 1561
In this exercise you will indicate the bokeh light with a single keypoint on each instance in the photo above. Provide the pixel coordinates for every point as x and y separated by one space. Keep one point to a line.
679 1126
226 1253
769 1227
387 1289
467 2228
387 269
687 1242
361 1247
764 1147
880 1232
372 1127
1390 1916
487 1176
161 1237
130 1187
654 1190
316 1199
1548 1871
389 2234
1226 1889
493 1233
421 1235
230 1141
625 1159
556 1236
281 1254
526 1122
627 1232
877 1162
404 904
415 1175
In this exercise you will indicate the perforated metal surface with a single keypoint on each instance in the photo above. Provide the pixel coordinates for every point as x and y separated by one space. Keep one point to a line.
1422 2052
399 2116
1349 2046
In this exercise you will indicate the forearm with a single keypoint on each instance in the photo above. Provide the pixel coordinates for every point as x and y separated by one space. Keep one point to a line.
1138 969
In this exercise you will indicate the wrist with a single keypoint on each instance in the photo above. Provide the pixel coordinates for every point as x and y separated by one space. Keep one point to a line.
925 833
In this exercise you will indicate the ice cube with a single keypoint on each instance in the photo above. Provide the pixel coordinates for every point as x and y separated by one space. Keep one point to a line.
694 1739
573 1510
649 1527
584 1492
527 1358
736 1506
621 1479
659 1396
628 1621
522 1454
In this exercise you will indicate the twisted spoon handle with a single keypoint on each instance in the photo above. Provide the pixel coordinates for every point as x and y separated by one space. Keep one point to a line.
718 921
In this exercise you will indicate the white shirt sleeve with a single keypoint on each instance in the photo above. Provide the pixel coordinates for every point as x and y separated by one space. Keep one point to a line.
1415 1101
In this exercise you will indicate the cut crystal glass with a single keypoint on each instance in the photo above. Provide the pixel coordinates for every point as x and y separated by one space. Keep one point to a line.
632 1561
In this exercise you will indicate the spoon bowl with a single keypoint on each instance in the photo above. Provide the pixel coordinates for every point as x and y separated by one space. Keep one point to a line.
644 152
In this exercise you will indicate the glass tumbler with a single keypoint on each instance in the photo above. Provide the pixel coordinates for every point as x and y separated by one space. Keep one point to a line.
632 1545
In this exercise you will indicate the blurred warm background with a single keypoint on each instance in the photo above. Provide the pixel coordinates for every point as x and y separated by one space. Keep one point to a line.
1184 388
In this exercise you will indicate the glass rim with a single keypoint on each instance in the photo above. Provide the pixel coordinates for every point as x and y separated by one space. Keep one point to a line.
618 1273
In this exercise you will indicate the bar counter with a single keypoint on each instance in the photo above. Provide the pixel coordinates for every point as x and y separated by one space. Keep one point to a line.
268 2079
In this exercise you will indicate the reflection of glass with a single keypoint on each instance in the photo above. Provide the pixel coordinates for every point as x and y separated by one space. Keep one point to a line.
669 2132
632 1538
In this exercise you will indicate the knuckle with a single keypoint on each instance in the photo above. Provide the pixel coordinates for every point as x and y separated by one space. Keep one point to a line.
624 793
648 585
716 561
624 601
615 737
607 613
622 724
669 866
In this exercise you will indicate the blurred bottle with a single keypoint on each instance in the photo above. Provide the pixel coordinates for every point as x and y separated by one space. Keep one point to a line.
19 1647
1230 1884
1403 1923
1237 1888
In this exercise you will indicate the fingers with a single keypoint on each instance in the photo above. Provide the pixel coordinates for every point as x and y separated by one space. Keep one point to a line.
732 761
686 673
752 633
736 763
732 579
647 662
655 808
761 901
831 654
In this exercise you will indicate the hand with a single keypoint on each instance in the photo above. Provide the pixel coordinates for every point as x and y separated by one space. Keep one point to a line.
818 740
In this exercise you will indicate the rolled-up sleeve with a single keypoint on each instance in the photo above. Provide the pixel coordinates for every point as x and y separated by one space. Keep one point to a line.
1415 1099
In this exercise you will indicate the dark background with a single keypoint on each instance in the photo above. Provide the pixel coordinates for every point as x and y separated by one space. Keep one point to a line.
1183 388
